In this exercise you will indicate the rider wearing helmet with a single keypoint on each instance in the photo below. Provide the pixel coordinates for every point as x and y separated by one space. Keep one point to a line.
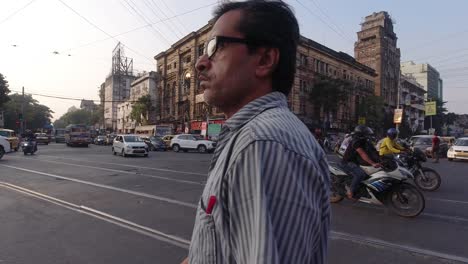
360 151
389 146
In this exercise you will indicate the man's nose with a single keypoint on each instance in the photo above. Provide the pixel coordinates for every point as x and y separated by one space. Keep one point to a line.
203 63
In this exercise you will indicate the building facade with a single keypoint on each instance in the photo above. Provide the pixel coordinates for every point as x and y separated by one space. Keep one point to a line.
412 96
144 84
318 61
377 48
116 90
182 102
88 105
427 76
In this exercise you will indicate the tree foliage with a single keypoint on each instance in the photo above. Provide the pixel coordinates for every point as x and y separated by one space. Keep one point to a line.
327 94
79 116
371 108
4 91
36 115
141 109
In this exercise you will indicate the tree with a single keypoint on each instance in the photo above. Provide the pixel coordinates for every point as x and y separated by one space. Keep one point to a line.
141 109
36 115
4 91
371 108
327 94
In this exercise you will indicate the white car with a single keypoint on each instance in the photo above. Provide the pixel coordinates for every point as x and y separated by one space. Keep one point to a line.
459 150
4 146
129 145
187 142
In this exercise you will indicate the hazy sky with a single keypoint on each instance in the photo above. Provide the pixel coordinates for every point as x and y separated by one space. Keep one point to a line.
429 31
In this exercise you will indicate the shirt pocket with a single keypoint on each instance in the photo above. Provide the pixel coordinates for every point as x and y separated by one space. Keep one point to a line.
204 248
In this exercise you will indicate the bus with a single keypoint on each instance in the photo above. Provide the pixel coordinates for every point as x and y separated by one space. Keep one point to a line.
76 135
59 135
154 130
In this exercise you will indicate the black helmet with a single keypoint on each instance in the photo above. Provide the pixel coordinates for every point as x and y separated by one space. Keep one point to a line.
363 131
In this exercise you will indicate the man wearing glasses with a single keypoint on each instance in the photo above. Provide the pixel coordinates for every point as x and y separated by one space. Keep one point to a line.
266 199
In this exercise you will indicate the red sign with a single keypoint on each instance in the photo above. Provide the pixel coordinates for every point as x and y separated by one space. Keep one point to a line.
196 125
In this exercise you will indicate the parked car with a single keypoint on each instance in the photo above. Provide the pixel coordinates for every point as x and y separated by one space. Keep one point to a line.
424 143
100 140
167 140
459 150
4 146
42 138
187 142
129 145
11 137
156 143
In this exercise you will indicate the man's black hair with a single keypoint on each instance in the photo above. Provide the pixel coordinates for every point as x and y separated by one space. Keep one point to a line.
271 24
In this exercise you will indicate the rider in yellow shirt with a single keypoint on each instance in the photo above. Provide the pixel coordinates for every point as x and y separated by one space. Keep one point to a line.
389 146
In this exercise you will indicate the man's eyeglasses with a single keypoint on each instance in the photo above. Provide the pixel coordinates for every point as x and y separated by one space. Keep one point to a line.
213 44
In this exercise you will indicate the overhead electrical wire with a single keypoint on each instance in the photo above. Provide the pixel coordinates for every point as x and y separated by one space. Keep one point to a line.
172 13
100 29
141 27
171 26
324 22
140 15
16 12
329 18
74 99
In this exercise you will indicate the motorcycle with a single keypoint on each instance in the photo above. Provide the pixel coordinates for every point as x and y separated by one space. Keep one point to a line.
29 147
426 179
386 186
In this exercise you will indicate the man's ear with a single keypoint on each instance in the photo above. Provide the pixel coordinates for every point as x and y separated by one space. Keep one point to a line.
267 61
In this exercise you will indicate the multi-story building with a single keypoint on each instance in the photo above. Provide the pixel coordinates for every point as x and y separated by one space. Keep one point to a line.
182 101
88 105
314 60
427 76
377 48
412 100
144 84
117 90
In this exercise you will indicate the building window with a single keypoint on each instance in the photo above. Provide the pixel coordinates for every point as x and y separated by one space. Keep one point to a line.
201 49
188 59
175 65
345 75
302 60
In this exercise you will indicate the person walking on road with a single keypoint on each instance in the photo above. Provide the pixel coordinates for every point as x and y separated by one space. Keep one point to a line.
266 199
435 148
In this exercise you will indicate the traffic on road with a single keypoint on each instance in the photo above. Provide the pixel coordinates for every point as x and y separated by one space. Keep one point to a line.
87 205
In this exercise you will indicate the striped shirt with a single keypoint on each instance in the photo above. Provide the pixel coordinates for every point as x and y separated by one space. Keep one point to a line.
266 199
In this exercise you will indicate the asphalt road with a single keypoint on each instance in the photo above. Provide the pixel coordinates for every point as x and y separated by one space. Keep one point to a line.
84 205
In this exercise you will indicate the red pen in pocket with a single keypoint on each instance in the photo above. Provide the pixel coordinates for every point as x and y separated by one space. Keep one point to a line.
211 204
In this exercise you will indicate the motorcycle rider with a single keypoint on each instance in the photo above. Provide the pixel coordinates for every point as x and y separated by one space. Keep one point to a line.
30 137
360 151
389 146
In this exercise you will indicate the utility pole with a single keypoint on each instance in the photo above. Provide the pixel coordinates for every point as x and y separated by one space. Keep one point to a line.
22 114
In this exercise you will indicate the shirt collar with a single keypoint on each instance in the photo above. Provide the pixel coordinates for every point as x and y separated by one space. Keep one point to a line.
255 107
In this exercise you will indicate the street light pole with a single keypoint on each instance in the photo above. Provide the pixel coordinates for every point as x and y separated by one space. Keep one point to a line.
22 114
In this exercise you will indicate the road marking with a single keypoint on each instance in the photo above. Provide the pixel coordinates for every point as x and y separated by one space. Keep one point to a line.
171 239
124 172
447 200
378 242
132 166
447 217
155 197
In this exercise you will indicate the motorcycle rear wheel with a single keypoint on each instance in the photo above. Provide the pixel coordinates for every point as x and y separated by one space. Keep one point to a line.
406 200
430 182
